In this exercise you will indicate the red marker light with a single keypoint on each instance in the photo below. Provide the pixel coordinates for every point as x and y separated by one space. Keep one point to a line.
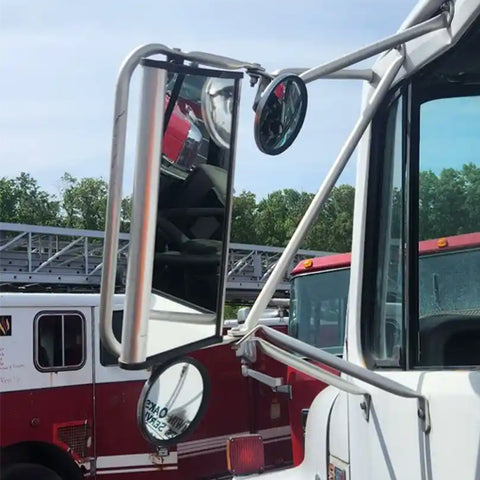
308 263
442 243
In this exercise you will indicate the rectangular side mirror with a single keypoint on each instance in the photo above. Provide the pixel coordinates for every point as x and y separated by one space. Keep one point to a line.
181 212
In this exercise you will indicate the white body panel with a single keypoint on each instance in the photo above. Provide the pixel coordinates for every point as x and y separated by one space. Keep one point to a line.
17 373
338 431
392 444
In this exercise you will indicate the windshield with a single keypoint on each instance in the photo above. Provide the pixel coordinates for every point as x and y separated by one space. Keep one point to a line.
449 180
318 306
448 282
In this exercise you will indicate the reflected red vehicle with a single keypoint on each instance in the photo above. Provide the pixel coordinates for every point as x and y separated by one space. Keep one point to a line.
182 139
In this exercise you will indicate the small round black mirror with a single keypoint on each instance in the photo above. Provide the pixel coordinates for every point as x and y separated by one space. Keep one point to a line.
173 401
280 114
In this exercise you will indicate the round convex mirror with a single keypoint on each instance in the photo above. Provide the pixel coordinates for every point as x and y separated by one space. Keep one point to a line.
173 401
217 109
280 114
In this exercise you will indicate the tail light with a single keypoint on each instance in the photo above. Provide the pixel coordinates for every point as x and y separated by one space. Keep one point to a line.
245 455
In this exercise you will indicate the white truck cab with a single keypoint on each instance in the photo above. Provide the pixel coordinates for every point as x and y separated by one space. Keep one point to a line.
406 403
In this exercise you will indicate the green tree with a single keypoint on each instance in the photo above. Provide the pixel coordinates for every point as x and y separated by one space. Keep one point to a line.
244 218
8 200
332 231
449 202
23 201
126 214
278 215
84 202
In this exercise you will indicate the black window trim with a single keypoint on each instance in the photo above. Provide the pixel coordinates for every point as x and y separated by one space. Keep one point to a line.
374 204
316 272
414 96
62 313
105 358
410 228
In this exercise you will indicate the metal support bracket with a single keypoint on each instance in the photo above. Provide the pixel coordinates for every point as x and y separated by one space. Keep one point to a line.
275 383
286 389
423 412
246 351
365 406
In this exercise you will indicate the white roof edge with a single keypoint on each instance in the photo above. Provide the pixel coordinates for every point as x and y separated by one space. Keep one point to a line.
426 48
422 11
54 300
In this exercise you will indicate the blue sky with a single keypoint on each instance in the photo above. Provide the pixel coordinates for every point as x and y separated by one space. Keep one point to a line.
59 60
449 133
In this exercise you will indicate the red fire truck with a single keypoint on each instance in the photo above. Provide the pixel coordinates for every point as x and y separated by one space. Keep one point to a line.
63 396
66 408
318 308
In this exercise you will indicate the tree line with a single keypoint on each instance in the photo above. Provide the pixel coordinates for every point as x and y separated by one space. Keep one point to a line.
449 205
81 203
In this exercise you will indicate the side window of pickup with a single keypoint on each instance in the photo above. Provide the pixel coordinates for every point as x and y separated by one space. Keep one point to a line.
59 341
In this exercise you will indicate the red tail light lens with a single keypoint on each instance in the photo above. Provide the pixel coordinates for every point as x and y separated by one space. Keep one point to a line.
245 454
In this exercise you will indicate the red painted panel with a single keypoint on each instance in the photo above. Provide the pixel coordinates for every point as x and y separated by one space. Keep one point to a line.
305 389
227 413
30 415
116 419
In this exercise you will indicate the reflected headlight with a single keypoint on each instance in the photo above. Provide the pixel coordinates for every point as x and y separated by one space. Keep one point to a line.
217 108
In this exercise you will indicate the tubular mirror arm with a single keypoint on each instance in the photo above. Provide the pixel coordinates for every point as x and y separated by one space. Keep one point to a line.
112 221
360 373
309 369
435 23
223 62
343 74
318 201
114 203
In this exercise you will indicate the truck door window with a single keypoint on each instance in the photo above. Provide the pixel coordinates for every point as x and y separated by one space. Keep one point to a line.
449 199
59 341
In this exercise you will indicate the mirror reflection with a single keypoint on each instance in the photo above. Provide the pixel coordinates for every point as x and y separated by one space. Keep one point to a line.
217 108
194 190
280 114
172 402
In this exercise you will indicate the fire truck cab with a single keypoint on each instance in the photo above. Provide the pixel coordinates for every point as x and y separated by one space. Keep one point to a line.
67 411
